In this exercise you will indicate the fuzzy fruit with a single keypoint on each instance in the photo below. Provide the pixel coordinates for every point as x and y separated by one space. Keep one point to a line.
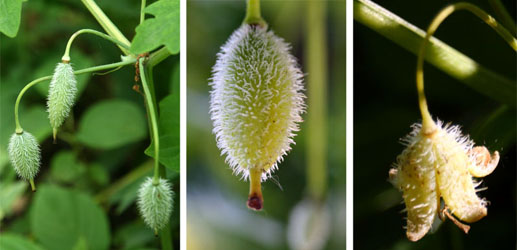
256 103
24 154
155 203
441 164
61 95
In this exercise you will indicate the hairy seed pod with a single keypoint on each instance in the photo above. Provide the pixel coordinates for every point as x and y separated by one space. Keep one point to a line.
256 103
24 154
155 203
441 164
61 95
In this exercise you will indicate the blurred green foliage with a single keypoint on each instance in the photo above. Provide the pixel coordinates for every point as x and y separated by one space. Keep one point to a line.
216 199
385 105
88 181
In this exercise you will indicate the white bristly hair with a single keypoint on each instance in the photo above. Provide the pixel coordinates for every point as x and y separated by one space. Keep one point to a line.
256 100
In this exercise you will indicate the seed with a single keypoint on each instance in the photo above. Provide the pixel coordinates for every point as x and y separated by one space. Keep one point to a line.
155 203
61 95
256 103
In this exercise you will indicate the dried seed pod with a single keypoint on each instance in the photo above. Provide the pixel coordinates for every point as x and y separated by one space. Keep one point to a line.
155 203
440 164
414 175
61 95
24 154
256 104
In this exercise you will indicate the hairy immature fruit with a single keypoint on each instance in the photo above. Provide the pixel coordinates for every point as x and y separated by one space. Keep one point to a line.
61 95
256 103
24 154
155 203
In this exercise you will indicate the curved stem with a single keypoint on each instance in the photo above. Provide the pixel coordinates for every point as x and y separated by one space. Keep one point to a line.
428 124
503 14
253 16
19 128
106 23
66 56
154 122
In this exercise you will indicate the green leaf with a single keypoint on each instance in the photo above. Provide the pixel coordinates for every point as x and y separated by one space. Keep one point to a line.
161 30
10 241
169 126
65 167
10 14
111 124
60 218
10 192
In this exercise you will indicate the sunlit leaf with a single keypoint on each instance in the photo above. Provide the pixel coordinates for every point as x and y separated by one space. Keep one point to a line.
163 29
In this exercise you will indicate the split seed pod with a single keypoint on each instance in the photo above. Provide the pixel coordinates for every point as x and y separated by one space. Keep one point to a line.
256 104
441 164
61 95
155 203
24 154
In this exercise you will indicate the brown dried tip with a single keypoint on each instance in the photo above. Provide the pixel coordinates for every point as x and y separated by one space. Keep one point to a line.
255 202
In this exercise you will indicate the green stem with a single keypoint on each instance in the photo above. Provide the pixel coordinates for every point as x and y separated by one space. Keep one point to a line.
439 54
142 12
253 16
66 56
506 19
106 24
19 128
316 53
428 124
124 181
158 56
154 121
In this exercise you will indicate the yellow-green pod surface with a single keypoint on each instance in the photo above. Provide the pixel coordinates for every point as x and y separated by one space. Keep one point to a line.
257 99
455 182
415 177
256 102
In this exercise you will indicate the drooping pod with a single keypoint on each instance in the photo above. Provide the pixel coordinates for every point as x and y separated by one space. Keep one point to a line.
155 203
256 104
24 153
441 163
61 95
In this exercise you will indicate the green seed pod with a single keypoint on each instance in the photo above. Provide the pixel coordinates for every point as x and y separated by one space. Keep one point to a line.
155 203
256 104
61 95
24 154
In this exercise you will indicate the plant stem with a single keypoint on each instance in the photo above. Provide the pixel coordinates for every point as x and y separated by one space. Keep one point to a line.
506 19
317 91
66 56
154 121
142 12
427 122
158 56
19 128
253 16
106 24
124 181
439 54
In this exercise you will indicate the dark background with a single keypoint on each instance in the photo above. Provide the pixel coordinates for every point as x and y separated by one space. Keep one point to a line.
385 105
